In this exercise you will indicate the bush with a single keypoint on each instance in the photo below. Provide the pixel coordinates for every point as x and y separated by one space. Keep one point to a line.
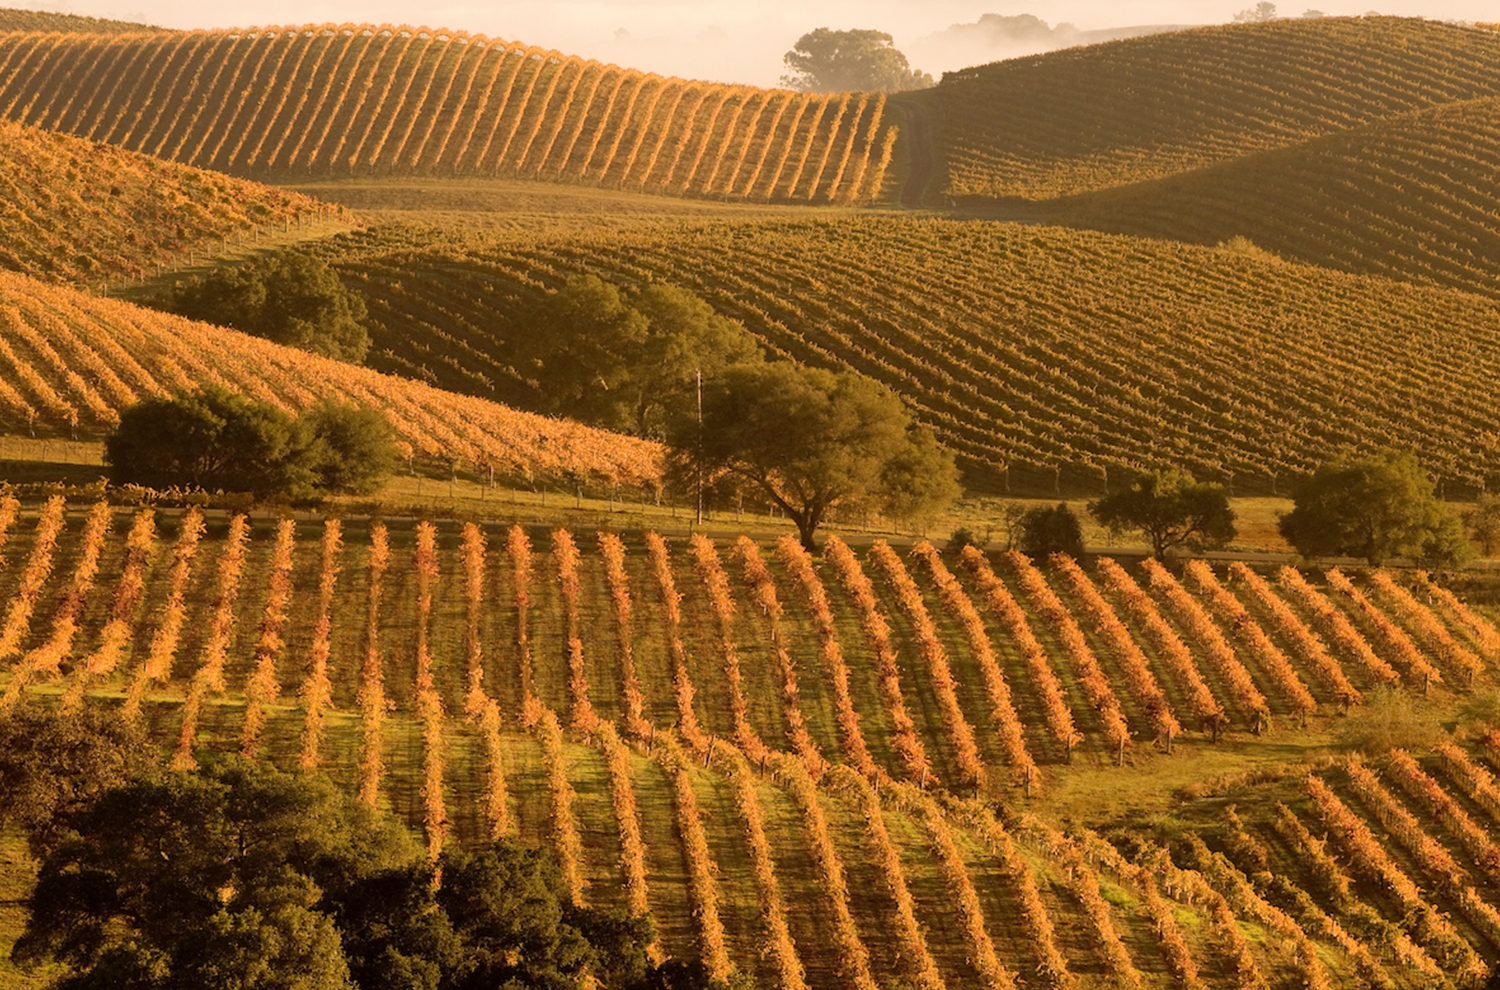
216 440
1043 532
1376 508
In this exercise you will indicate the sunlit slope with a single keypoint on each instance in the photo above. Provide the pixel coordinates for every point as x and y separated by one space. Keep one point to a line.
1049 353
868 762
341 100
1107 115
83 212
12 19
69 362
1416 197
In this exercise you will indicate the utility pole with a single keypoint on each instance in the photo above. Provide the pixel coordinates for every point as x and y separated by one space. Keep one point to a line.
700 446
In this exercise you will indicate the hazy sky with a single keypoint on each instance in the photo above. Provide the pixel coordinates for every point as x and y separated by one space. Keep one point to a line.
712 39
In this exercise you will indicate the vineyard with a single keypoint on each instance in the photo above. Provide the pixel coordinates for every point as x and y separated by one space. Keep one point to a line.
350 100
1145 108
1410 198
69 362
87 213
15 19
820 772
1064 359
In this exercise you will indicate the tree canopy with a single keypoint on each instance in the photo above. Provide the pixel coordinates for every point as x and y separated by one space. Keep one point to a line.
217 440
1043 531
289 297
626 361
1170 509
1377 508
811 439
828 61
241 876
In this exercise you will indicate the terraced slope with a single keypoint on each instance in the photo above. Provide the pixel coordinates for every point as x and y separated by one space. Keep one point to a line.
1141 109
341 100
77 211
696 729
1412 198
69 362
1052 354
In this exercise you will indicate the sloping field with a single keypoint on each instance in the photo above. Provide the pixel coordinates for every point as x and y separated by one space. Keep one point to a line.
1145 108
1057 355
340 100
83 212
814 752
12 19
69 362
1414 198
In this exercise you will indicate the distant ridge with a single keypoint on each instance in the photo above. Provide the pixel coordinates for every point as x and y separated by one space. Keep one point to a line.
339 100
12 19
1129 111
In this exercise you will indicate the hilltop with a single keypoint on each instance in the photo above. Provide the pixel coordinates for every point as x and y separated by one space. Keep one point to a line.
12 19
1139 109
1046 357
341 99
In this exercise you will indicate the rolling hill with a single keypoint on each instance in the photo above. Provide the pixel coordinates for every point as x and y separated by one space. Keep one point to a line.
1411 198
35 21
76 211
1145 108
72 361
352 100
1043 356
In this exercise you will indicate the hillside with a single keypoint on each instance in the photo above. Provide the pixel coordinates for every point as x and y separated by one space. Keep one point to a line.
1141 109
72 361
76 211
35 21
1413 198
985 700
1041 355
340 100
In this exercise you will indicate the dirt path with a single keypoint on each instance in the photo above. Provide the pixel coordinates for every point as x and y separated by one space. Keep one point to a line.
919 148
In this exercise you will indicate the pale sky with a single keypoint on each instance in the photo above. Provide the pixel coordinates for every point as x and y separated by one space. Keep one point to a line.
730 42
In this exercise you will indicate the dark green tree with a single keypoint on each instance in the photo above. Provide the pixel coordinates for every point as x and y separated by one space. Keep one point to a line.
1170 509
219 441
352 449
1482 522
243 877
811 439
289 297
1044 531
214 440
53 766
625 362
828 61
206 879
1377 508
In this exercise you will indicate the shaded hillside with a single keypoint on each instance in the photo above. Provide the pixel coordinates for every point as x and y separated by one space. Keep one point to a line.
1055 355
1416 197
12 19
78 211
340 100
69 362
1108 115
